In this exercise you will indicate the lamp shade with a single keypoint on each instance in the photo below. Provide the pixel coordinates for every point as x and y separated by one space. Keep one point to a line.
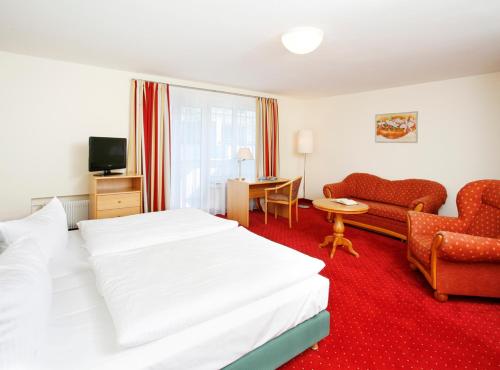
302 40
245 154
305 141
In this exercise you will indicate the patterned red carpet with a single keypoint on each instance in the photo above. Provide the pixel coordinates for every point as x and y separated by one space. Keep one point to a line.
383 314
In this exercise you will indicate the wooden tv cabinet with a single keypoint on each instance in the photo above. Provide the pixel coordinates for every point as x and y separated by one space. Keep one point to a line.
115 196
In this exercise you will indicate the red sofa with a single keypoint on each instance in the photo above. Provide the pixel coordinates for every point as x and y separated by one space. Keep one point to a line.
460 255
389 201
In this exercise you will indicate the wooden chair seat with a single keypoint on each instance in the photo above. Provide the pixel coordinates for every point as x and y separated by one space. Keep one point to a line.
277 196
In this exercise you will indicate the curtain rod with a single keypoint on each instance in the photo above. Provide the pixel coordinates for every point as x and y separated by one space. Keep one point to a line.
201 88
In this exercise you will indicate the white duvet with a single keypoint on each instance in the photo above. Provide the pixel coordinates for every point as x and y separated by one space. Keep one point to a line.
125 233
159 290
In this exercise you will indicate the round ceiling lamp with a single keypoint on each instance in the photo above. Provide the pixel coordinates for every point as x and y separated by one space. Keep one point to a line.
302 40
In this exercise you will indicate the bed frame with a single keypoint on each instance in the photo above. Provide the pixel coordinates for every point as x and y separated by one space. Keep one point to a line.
285 347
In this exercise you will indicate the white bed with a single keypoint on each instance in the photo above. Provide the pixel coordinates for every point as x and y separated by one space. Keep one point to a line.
157 291
82 334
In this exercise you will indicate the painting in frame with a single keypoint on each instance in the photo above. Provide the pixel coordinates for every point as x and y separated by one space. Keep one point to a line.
396 127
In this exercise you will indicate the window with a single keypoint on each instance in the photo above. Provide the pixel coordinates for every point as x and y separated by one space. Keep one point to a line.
207 130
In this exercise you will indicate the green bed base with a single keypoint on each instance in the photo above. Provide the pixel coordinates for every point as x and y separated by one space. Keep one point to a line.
285 347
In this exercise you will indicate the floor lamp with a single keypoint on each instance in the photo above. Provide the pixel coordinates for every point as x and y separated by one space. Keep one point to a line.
305 145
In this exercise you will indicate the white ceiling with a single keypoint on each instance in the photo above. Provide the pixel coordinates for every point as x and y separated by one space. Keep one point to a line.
368 44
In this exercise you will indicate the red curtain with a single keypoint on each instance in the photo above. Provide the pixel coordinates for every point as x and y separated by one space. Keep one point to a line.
267 137
149 136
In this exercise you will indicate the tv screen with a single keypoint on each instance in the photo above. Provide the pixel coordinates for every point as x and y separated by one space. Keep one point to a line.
107 153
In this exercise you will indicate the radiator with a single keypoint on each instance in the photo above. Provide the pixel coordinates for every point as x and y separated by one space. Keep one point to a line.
76 210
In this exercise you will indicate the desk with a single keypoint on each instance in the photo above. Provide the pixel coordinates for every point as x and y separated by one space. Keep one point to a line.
239 194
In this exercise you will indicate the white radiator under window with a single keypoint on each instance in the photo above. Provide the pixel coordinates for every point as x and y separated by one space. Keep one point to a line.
76 210
76 207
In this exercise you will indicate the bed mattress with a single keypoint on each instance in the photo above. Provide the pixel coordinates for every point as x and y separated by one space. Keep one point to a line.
82 336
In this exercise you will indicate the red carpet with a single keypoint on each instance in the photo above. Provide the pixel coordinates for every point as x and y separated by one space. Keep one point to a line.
383 313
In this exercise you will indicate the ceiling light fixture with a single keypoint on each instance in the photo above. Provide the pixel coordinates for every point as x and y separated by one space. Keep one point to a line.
302 40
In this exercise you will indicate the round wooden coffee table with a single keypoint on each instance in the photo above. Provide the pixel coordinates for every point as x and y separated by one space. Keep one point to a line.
339 210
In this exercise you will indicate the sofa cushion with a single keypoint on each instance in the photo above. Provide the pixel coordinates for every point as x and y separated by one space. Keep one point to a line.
396 192
362 185
491 195
385 210
486 221
420 247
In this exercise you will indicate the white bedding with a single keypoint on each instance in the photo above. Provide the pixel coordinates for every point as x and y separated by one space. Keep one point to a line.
72 259
160 290
82 337
125 233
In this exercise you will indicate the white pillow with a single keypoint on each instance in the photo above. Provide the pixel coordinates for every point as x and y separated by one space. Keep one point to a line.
48 227
26 295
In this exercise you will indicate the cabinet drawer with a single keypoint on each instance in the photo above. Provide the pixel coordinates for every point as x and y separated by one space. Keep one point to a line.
118 212
113 201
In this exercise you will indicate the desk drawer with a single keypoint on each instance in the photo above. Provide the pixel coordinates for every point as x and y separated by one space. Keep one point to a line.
118 212
114 201
257 191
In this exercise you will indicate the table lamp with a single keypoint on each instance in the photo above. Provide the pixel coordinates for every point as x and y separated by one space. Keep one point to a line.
305 145
244 154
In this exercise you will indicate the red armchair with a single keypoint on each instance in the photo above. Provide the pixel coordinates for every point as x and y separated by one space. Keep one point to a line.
460 255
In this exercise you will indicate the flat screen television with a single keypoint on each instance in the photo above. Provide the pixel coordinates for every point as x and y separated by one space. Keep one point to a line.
107 153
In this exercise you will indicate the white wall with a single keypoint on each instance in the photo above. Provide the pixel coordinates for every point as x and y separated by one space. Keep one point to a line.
48 109
458 137
293 116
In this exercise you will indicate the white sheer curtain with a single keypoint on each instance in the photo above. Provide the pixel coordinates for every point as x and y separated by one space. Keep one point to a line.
208 128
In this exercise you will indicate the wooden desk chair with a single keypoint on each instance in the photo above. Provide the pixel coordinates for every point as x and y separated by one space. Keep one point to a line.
286 194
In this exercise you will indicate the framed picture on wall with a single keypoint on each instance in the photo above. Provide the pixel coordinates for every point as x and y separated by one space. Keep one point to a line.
396 127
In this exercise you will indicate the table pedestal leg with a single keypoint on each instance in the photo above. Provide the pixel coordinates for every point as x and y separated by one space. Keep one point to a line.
337 239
